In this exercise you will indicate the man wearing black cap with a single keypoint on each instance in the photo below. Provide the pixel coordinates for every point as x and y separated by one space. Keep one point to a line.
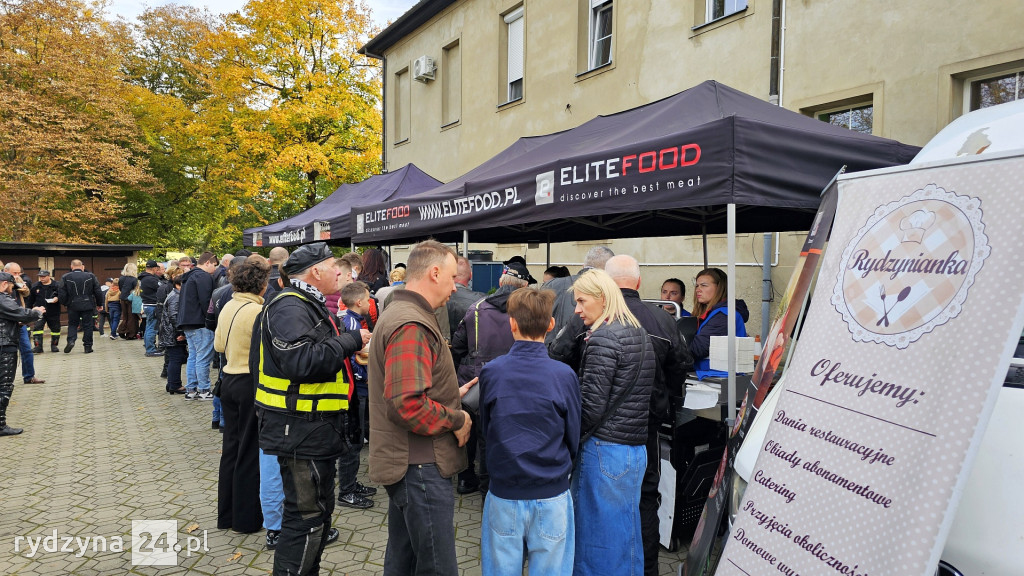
80 292
302 392
44 293
483 334
150 283
11 316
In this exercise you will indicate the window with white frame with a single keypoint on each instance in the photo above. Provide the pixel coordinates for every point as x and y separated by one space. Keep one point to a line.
600 33
721 8
982 92
859 118
515 51
401 116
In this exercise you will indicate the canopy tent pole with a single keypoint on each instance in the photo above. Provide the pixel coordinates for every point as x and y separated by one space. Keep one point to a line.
548 264
465 244
352 245
731 288
704 235
766 287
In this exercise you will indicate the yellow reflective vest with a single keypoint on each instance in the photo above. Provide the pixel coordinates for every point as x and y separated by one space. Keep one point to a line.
274 392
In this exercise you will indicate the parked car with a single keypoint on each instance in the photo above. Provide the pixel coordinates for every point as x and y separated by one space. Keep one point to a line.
987 534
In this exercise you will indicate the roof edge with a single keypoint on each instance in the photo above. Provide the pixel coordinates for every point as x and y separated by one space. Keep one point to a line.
50 246
415 17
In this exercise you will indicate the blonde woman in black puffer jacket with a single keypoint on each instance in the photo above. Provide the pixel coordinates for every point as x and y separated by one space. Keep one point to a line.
616 374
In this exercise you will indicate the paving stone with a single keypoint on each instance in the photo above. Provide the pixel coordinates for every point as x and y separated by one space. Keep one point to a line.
101 450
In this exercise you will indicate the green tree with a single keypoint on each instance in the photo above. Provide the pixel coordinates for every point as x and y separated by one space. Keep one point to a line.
168 76
314 102
68 143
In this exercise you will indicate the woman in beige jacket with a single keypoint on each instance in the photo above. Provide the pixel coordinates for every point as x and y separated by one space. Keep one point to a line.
238 492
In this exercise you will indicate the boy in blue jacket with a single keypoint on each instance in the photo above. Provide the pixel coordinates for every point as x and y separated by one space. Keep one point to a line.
352 494
530 418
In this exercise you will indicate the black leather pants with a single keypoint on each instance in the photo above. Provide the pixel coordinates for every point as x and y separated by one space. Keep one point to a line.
8 366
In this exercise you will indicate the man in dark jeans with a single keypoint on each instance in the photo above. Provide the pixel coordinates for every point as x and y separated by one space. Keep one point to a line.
419 427
150 283
80 292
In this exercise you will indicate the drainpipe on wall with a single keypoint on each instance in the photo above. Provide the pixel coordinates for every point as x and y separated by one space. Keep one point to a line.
775 97
383 111
775 70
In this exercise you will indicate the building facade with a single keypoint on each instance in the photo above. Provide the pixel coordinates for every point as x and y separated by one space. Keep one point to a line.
466 78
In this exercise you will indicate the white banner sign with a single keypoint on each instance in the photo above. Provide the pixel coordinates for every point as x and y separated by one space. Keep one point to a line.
915 317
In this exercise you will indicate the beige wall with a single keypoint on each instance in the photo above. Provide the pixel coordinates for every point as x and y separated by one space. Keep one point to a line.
907 58
911 55
647 65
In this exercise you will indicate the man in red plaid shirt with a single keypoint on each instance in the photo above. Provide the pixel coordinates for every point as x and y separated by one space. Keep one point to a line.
418 427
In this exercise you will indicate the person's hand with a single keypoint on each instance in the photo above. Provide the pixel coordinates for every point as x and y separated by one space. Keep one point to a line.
462 434
465 387
40 309
365 334
180 338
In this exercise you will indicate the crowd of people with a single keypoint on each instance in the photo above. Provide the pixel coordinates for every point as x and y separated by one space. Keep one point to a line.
546 397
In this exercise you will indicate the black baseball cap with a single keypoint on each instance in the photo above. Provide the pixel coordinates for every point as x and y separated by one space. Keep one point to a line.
518 270
306 256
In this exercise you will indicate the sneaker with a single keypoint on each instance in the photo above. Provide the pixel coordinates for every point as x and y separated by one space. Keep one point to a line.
332 535
273 536
355 500
365 490
191 394
113 336
206 395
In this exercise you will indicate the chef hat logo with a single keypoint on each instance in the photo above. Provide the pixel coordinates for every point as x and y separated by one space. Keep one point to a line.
913 227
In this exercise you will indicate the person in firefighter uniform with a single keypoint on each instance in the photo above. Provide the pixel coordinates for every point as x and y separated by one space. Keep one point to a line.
11 316
80 292
44 293
302 393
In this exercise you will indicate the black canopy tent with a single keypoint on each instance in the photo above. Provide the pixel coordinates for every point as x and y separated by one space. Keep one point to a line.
329 220
710 159
664 169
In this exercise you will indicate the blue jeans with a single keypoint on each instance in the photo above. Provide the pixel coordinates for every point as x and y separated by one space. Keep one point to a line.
606 491
200 356
28 366
218 412
542 528
271 491
421 525
114 310
149 338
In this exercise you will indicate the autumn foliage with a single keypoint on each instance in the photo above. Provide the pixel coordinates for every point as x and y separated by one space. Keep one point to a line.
182 128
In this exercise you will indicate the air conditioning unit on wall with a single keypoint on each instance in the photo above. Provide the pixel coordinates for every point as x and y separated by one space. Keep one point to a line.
423 69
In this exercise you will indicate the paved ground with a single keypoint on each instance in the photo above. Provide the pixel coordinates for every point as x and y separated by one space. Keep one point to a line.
104 445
